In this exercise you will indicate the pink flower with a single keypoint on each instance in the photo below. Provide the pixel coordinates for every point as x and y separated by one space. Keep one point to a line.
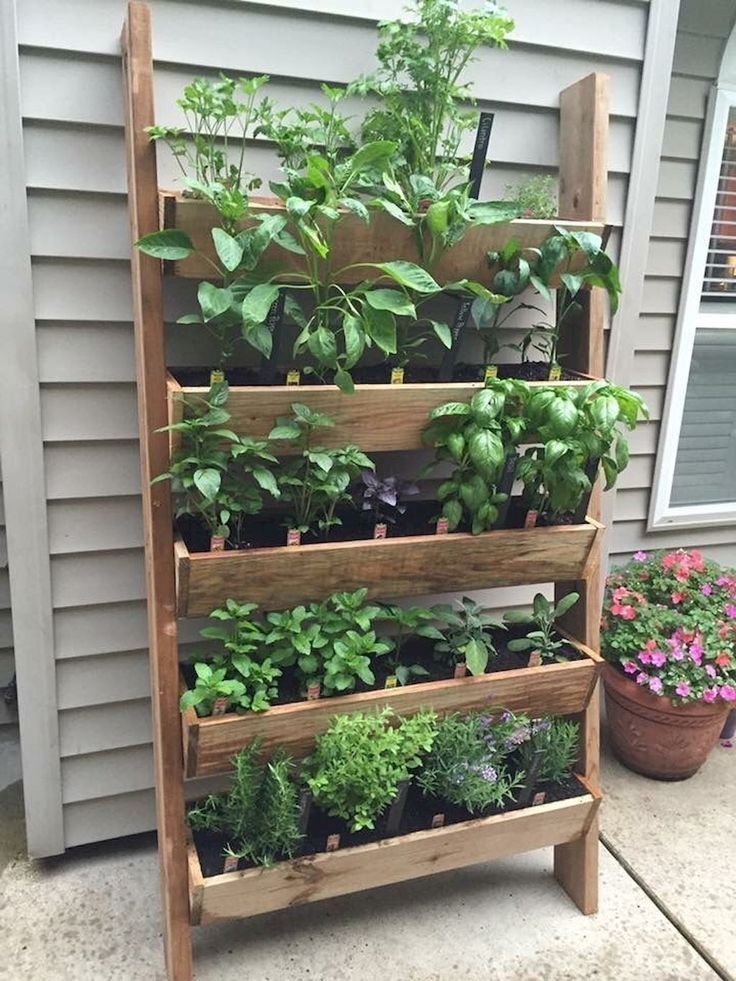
640 556
706 590
624 611
621 592
710 694
642 678
724 660
655 685
682 574
728 693
677 653
670 561
710 671
682 689
645 657
722 581
730 611
658 659
696 560
678 597
696 655
630 667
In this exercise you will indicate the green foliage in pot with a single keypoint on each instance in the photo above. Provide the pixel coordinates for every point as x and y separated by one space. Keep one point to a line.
316 480
357 765
466 635
468 762
260 813
476 437
543 637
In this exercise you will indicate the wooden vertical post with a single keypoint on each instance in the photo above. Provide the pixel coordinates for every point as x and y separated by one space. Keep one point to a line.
157 518
584 110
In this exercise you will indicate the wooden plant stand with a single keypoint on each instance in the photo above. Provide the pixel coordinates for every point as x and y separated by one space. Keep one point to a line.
186 746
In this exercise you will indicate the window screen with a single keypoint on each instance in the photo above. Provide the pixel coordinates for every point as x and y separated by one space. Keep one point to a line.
719 282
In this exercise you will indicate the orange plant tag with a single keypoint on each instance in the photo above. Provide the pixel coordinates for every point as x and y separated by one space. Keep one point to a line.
443 526
217 543
220 706
530 521
333 843
380 530
293 537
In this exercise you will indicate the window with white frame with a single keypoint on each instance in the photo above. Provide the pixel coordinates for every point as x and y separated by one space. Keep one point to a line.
695 482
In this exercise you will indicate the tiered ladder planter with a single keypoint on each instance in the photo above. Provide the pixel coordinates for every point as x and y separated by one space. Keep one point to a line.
180 583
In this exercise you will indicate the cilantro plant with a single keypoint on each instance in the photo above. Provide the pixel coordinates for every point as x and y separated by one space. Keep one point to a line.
303 132
357 765
543 637
476 437
468 762
466 637
315 480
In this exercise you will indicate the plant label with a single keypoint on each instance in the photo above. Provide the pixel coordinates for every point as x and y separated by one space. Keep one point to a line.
555 372
438 821
293 537
530 521
217 377
480 152
230 864
217 543
220 706
313 692
461 670
293 377
397 376
380 530
333 843
391 682
535 659
491 373
443 526
305 809
538 798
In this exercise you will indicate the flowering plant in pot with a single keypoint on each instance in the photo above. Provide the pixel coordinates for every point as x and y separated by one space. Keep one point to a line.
669 635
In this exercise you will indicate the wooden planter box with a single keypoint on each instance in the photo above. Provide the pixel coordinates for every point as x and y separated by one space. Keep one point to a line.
384 239
554 689
279 578
329 874
375 417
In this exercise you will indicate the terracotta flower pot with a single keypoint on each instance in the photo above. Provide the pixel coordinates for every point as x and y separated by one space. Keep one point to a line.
652 736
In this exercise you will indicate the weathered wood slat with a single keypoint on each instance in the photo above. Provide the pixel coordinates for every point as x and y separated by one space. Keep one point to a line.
555 689
278 578
328 874
382 240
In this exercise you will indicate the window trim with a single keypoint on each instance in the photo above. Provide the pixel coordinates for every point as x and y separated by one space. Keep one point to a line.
662 514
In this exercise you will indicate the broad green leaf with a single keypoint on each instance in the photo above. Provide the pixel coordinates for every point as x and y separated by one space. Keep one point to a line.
370 156
487 405
213 300
167 244
450 409
344 381
453 511
443 333
566 603
229 250
487 453
562 417
381 328
476 656
520 645
572 282
411 276
395 211
298 207
605 411
207 481
259 337
393 300
189 318
622 453
357 207
554 449
354 336
258 302
323 346
265 479
285 430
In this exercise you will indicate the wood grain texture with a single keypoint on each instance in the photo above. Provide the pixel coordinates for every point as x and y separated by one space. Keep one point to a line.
382 240
584 110
555 689
278 578
374 417
156 499
328 874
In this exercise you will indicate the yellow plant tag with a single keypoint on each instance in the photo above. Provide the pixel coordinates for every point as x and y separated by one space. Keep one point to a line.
397 376
391 682
217 376
293 377
491 373
555 372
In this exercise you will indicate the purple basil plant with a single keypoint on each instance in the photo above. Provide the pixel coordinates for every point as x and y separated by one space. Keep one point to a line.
384 497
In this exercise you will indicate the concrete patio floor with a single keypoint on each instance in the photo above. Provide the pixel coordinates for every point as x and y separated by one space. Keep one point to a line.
93 913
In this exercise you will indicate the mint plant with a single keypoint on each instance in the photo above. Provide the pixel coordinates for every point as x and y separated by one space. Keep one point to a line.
213 684
468 762
350 659
357 765
543 637
466 637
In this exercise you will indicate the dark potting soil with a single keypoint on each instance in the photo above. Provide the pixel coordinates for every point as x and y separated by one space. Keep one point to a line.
379 374
417 816
419 651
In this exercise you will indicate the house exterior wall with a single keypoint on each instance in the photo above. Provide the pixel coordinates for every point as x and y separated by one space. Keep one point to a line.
7 665
75 175
703 29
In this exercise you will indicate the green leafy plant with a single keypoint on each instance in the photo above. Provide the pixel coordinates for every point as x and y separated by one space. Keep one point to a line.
210 150
544 637
423 101
467 764
410 621
555 743
476 437
350 660
357 765
260 813
213 684
466 636
535 197
316 480
303 132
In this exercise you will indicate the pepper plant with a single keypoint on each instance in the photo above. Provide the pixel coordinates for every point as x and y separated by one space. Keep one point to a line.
543 637
410 621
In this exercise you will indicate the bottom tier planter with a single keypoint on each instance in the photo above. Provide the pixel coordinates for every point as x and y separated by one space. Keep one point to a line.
548 689
235 895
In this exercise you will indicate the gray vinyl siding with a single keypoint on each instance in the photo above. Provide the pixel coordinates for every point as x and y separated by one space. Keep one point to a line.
72 106
703 29
7 666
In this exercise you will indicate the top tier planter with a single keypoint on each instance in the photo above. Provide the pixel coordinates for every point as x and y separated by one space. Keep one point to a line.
355 242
